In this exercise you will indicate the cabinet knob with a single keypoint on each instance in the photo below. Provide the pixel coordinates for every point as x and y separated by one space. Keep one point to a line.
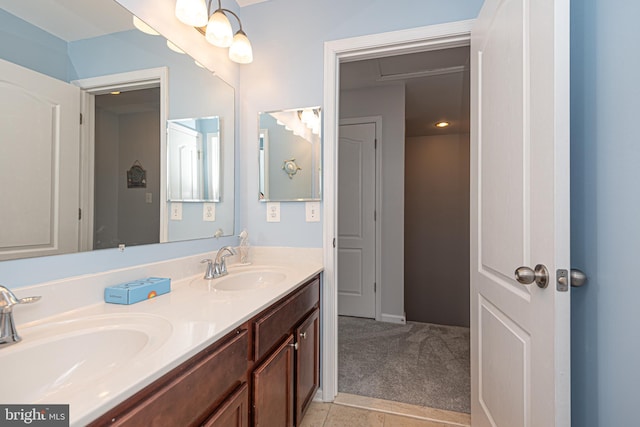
294 345
303 335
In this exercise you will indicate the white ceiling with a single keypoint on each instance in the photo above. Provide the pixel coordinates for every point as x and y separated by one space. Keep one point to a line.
90 18
442 95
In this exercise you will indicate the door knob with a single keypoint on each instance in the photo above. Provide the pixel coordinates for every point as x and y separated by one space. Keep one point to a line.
578 278
527 276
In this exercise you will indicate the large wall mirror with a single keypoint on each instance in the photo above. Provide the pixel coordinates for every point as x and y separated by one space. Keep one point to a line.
121 191
290 154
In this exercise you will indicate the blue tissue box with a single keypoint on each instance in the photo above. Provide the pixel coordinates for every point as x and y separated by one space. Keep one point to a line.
138 290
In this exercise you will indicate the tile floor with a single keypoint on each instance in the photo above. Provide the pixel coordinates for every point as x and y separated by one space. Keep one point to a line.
357 411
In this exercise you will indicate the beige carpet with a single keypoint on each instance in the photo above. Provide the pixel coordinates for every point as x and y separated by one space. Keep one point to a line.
417 363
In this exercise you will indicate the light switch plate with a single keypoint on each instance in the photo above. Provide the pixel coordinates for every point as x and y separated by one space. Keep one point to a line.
273 211
209 212
312 211
176 211
148 197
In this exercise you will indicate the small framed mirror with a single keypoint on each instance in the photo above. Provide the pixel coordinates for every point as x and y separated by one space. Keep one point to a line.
193 157
290 155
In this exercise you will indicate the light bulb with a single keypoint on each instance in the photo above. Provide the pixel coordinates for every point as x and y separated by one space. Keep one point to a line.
219 31
192 12
240 50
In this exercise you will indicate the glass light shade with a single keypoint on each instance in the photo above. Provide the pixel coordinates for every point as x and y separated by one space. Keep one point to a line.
240 50
142 26
192 12
307 117
219 31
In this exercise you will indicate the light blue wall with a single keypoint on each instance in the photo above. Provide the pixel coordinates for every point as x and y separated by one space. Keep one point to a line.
605 215
288 40
33 48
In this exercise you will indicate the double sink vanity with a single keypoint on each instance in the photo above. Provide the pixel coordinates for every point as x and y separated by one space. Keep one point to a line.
238 350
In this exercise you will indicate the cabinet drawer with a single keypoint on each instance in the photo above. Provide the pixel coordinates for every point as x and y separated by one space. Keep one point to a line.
186 395
276 324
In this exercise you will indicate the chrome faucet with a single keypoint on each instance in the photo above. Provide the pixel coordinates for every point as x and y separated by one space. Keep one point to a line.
218 268
220 264
8 333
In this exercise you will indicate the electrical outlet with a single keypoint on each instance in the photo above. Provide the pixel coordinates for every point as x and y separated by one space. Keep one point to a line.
312 211
176 211
273 212
209 212
148 197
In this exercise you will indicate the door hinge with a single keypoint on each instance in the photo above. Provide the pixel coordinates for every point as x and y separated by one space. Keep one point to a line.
80 118
375 215
334 242
375 287
79 214
375 144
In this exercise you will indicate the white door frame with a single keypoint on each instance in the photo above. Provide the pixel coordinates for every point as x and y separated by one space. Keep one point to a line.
140 79
441 36
377 120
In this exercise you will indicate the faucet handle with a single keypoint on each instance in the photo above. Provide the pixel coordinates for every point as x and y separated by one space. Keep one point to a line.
8 299
29 300
209 273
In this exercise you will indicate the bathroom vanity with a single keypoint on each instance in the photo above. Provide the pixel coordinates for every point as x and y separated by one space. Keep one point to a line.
265 371
235 351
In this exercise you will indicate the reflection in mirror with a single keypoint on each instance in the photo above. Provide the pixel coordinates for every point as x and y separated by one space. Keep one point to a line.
62 51
193 155
289 155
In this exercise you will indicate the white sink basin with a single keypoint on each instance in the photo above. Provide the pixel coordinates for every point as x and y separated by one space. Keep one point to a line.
249 280
56 357
243 280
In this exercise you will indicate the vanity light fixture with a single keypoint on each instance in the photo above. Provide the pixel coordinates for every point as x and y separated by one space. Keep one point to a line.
192 12
216 28
442 124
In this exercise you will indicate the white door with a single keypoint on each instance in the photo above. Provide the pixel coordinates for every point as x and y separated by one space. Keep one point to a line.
39 164
520 213
356 225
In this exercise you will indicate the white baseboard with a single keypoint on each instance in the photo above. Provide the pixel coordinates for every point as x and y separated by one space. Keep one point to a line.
393 318
318 396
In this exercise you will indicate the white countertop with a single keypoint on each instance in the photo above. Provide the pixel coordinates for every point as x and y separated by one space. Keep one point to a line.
187 320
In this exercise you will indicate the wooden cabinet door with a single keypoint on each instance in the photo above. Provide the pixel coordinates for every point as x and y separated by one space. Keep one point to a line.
273 389
234 412
307 363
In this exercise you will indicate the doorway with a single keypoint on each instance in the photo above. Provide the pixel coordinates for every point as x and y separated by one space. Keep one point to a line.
155 79
422 359
338 52
127 168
